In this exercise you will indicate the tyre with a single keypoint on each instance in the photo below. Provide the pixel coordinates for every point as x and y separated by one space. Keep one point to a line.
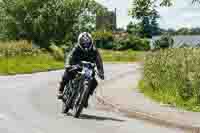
80 100
66 104
65 108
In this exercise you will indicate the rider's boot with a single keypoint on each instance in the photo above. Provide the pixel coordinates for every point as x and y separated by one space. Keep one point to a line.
86 103
60 95
60 90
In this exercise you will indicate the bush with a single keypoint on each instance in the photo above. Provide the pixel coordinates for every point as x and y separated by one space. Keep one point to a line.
103 39
57 52
14 48
166 41
172 75
106 40
132 42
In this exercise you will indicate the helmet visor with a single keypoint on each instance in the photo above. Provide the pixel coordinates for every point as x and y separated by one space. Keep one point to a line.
86 44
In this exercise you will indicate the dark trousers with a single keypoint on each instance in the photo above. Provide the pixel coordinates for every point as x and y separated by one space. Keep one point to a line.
69 75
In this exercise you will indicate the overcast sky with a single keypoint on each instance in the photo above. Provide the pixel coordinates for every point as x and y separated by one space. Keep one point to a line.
181 14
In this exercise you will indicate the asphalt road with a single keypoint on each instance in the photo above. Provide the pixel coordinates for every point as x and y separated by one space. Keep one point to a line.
28 104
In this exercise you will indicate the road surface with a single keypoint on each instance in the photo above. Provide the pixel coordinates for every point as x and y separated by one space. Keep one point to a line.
28 104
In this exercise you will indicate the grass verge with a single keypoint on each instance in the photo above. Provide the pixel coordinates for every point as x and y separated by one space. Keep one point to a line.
21 64
28 64
166 98
122 56
172 77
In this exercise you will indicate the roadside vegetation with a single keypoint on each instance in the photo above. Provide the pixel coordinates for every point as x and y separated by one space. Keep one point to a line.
28 64
122 56
171 76
21 57
51 31
110 41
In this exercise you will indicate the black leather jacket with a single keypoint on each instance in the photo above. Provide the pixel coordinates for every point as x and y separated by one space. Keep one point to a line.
77 55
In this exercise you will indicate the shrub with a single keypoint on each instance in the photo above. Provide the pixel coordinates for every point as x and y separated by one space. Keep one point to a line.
139 44
132 42
56 52
103 39
166 41
174 73
106 40
14 48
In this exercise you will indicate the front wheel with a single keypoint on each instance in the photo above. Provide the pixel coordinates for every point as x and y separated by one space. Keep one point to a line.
67 100
81 100
65 108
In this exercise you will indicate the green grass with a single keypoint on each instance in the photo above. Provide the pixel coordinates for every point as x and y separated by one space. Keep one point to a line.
122 56
45 62
172 77
164 97
28 64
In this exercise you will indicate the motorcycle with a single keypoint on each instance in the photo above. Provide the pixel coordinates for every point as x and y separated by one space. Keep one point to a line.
77 92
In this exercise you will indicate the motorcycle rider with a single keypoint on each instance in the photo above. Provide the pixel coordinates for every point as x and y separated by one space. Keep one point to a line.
83 51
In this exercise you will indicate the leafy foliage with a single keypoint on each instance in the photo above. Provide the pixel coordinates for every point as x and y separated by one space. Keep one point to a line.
103 39
145 11
106 40
45 21
166 41
56 52
131 42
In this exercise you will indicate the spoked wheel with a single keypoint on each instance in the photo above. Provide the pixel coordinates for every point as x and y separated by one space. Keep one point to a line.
80 101
67 100
65 108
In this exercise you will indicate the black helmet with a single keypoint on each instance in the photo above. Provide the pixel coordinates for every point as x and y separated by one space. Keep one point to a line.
85 41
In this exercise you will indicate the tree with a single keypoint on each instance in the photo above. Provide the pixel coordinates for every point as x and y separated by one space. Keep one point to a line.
135 29
132 28
155 30
169 2
47 20
145 12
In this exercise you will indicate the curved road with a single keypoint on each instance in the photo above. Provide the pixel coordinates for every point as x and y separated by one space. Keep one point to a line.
28 104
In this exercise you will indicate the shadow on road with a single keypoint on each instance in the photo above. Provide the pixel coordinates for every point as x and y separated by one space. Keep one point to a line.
97 118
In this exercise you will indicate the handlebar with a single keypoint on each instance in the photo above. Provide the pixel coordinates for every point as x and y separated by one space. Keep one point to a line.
76 67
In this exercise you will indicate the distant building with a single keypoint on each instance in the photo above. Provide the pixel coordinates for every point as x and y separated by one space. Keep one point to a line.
181 41
107 21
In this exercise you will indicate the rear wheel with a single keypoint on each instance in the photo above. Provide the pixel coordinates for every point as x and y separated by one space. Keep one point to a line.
81 100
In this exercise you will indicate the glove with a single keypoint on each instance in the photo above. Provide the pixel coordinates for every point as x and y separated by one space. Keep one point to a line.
101 76
76 66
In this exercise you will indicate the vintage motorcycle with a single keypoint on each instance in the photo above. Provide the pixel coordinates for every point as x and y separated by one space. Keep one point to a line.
77 92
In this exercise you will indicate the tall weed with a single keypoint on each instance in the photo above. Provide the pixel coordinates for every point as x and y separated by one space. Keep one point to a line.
174 72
